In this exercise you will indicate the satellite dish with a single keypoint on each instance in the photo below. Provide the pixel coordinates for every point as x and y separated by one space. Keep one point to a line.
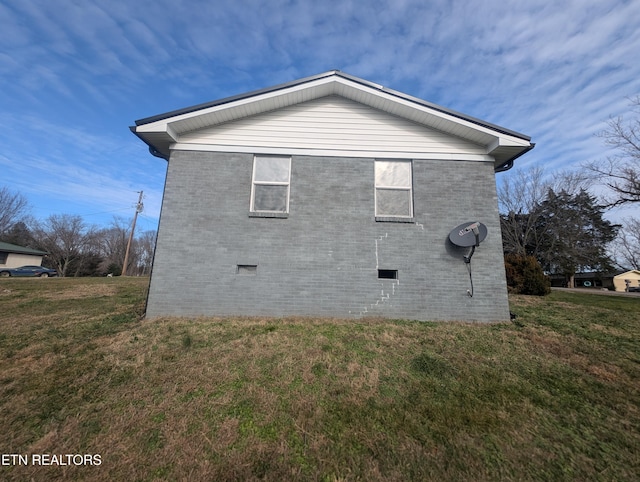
468 234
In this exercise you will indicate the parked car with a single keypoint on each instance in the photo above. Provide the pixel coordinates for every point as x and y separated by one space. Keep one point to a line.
634 289
40 271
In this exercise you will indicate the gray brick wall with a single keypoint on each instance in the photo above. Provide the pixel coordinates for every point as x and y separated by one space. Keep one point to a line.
322 260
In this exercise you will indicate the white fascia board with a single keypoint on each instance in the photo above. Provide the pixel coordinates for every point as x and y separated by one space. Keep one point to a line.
507 141
171 132
158 126
331 152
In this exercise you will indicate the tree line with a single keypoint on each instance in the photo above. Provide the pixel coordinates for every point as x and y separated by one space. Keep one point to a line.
75 248
558 221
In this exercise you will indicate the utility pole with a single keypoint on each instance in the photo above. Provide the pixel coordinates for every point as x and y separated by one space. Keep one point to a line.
139 208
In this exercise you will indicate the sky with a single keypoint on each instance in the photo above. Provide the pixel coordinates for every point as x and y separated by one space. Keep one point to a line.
75 74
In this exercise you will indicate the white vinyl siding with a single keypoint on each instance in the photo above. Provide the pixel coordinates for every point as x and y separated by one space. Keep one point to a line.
394 193
270 185
335 124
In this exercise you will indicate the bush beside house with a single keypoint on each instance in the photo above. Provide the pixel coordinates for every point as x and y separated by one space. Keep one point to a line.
525 276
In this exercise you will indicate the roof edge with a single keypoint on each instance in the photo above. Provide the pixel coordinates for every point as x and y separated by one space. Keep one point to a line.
233 98
338 73
508 164
152 149
14 248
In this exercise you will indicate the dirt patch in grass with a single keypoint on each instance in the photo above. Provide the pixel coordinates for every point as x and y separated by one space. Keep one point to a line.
82 291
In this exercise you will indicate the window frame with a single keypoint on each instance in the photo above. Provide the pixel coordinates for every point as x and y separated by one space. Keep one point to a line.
254 183
409 188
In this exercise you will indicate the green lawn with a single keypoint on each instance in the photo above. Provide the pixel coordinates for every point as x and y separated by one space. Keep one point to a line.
553 396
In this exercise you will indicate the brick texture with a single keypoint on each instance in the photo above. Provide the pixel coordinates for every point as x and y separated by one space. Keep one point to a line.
323 259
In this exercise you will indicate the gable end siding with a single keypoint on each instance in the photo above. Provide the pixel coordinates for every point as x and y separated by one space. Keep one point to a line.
332 123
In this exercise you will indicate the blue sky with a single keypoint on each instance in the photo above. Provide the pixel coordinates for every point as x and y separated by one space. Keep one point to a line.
75 74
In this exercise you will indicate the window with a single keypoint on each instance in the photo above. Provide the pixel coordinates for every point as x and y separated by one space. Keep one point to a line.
270 187
394 196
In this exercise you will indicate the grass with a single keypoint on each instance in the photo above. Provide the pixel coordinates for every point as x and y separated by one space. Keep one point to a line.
554 396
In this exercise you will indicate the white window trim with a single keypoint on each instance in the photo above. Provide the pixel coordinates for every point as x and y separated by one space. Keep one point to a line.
394 188
268 183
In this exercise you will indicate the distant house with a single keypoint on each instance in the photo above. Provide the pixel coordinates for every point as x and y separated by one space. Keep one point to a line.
583 280
327 196
13 256
627 280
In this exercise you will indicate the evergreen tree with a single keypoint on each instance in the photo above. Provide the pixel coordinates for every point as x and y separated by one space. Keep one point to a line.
573 234
19 234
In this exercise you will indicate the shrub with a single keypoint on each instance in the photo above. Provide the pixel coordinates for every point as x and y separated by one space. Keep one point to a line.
525 276
114 269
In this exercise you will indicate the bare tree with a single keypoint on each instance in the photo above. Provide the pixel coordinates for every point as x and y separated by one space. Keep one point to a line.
628 246
65 238
145 247
114 244
13 209
518 198
621 172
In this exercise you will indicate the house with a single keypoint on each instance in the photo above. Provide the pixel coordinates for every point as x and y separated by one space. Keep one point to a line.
624 281
327 196
14 256
583 280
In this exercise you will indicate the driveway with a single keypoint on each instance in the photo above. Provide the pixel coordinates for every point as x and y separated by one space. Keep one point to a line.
597 291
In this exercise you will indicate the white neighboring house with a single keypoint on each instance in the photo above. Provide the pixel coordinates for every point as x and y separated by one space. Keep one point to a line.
620 281
14 256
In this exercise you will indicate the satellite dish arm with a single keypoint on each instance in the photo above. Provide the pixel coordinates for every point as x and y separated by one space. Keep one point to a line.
467 258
